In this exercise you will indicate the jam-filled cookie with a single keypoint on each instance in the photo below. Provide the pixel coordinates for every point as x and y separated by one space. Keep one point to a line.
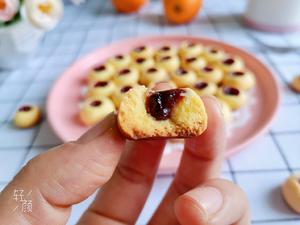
226 111
234 97
27 116
127 76
101 88
183 77
169 63
119 94
291 192
205 88
241 79
213 55
142 52
120 61
169 113
194 63
143 63
232 64
153 74
166 50
295 85
101 73
210 74
94 109
189 50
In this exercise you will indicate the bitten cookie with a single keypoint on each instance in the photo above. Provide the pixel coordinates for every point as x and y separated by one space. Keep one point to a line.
94 109
234 97
291 192
169 113
27 116
295 85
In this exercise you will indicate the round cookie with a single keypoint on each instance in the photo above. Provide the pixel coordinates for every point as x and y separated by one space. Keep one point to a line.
127 76
194 63
101 73
210 74
295 85
169 63
142 52
101 88
183 78
243 80
234 97
95 109
119 93
213 55
153 74
291 192
27 116
120 61
166 50
204 88
143 63
231 64
169 82
190 50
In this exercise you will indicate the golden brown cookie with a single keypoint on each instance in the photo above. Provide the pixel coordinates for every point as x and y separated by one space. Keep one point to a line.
204 88
210 74
27 116
95 109
103 72
101 88
291 192
170 113
142 52
234 97
183 77
169 63
153 74
242 79
120 61
190 50
295 85
127 76
119 94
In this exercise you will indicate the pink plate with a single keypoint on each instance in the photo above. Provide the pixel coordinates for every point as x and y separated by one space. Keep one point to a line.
63 99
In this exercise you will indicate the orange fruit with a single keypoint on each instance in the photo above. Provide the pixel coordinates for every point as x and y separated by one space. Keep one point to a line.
128 6
181 11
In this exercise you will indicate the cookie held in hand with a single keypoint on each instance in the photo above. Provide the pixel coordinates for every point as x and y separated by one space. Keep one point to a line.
173 113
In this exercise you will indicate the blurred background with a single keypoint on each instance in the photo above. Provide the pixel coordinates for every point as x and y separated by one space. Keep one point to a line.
39 41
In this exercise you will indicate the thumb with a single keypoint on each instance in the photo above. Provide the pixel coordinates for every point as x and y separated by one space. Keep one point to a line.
63 176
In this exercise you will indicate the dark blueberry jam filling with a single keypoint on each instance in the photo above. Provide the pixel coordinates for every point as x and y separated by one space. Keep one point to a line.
152 70
190 60
201 85
101 84
166 48
160 104
124 72
119 57
238 73
231 91
25 108
100 68
140 49
165 58
181 72
228 61
140 60
208 69
96 103
125 89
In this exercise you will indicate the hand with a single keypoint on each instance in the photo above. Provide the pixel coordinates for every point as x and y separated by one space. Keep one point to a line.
68 174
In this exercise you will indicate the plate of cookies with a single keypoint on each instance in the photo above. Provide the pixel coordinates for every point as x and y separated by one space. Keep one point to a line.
96 84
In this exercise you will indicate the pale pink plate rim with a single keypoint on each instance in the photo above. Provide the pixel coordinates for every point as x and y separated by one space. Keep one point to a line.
260 130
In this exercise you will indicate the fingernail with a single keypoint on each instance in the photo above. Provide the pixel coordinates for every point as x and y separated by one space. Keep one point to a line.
209 199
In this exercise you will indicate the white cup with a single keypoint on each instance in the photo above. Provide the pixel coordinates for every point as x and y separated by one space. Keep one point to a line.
273 15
